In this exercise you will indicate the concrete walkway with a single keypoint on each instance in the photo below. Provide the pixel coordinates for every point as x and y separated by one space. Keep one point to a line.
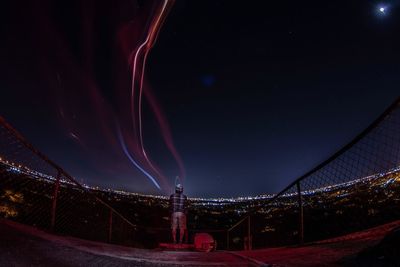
22 245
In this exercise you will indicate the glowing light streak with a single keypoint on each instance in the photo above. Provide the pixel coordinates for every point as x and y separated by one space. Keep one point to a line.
74 136
146 44
138 65
128 155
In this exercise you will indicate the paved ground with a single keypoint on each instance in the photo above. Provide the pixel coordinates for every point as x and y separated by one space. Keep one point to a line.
342 251
22 245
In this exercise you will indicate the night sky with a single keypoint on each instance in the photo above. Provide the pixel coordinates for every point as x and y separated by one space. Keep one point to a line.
255 92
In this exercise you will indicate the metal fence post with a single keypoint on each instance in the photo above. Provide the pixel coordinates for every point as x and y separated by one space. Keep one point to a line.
110 222
54 204
301 214
249 241
227 239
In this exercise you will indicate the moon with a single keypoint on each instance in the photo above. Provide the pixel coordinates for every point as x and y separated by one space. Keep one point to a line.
382 9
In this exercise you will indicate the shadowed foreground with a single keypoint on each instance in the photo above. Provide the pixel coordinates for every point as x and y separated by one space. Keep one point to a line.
22 245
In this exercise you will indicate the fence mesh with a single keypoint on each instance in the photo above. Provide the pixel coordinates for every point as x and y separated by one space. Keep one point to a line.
35 191
357 188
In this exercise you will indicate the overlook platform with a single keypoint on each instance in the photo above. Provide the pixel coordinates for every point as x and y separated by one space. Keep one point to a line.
22 245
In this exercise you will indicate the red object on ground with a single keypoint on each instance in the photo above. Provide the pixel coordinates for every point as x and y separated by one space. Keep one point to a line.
204 242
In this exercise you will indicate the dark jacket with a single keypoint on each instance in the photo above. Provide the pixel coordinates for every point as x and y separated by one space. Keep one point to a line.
178 203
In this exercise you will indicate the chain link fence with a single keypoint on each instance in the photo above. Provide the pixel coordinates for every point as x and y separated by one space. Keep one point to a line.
37 192
355 189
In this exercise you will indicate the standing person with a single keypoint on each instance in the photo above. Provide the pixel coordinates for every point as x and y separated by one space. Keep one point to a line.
177 205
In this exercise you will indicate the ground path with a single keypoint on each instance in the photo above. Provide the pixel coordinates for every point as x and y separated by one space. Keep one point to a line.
22 245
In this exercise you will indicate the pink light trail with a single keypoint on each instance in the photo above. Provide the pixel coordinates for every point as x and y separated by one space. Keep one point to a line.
138 59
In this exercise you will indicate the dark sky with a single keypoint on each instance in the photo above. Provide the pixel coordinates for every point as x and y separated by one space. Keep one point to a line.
255 92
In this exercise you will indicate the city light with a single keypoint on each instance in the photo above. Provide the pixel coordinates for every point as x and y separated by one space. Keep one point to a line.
12 167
